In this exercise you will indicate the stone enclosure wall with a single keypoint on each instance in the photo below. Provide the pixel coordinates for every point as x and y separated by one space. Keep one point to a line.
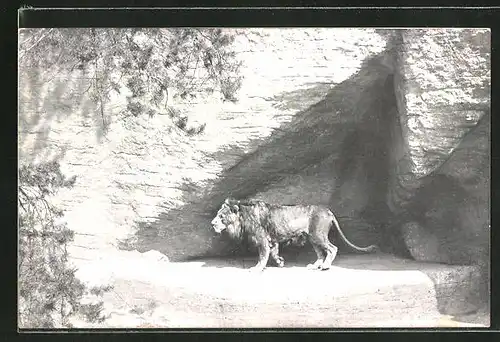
390 129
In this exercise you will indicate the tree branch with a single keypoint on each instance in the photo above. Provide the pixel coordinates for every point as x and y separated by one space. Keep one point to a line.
25 51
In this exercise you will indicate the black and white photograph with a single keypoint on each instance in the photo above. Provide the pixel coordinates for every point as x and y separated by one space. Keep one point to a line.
260 177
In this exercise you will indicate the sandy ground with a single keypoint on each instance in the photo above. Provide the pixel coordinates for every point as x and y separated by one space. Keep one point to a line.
359 291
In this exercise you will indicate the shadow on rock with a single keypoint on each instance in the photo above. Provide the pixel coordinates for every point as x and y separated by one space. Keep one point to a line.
341 126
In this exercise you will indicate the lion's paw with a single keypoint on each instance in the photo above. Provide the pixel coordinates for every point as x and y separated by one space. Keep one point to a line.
325 267
256 269
312 267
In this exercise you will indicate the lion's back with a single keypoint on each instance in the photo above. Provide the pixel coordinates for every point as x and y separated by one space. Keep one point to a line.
281 222
289 222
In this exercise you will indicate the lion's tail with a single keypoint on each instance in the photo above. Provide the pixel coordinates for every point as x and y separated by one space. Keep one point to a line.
370 248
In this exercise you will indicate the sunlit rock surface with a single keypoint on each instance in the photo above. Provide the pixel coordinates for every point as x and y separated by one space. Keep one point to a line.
442 178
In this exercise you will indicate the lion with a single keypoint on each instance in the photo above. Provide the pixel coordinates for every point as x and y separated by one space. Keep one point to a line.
267 225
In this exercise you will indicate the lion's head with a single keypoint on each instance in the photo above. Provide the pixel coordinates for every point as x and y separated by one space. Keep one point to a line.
227 218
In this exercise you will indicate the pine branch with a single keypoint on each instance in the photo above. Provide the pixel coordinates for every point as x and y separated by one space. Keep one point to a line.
24 51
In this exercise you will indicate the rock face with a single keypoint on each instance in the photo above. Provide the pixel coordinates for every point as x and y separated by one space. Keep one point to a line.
442 174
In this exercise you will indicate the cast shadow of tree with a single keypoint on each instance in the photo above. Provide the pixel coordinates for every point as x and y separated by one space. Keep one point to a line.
46 98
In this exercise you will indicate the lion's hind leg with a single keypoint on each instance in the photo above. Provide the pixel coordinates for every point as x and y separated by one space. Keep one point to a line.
330 256
320 255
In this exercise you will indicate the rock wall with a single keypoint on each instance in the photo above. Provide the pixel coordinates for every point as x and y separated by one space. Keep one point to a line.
141 183
443 86
443 89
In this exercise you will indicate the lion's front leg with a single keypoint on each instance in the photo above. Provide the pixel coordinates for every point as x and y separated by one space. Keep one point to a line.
275 254
264 252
